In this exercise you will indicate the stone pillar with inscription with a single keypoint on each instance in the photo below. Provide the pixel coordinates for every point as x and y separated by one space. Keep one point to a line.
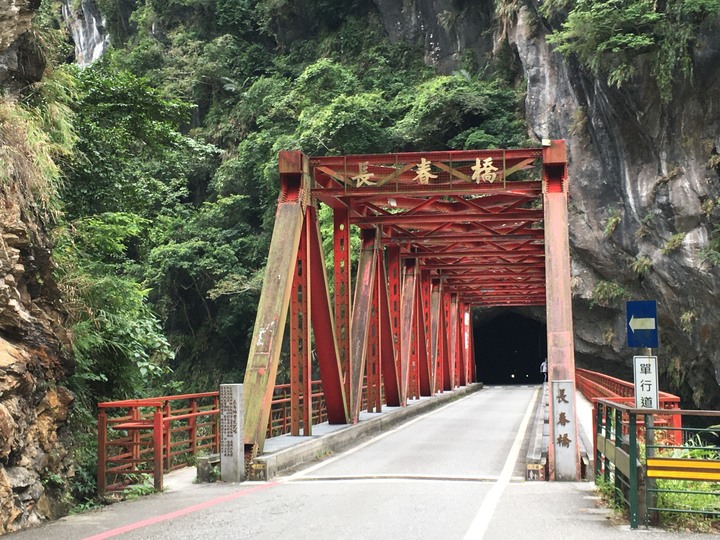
232 454
564 430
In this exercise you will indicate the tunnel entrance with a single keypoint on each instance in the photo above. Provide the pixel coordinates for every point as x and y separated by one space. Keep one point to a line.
509 349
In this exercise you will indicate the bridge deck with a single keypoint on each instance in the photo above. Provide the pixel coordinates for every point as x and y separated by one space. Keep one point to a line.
406 483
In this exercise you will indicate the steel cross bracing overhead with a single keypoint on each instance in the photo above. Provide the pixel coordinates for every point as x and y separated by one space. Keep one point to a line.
441 232
474 221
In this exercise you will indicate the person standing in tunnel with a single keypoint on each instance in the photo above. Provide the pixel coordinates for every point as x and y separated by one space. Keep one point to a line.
543 370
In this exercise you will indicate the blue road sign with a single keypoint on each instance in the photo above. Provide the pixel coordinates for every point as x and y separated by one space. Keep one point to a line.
642 328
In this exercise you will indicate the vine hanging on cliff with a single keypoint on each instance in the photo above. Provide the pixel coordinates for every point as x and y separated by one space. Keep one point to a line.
611 36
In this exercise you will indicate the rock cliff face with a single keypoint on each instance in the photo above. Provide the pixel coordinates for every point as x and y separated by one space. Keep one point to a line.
34 461
19 62
641 181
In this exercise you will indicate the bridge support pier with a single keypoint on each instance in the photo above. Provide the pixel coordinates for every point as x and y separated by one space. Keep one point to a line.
563 447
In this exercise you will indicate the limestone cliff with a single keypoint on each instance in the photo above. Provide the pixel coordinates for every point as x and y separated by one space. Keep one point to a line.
643 183
20 62
34 408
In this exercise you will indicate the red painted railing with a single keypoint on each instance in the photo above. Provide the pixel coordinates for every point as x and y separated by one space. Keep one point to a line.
594 385
153 436
158 435
281 412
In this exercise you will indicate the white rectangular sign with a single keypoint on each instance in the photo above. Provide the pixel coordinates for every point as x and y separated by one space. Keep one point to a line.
646 382
564 430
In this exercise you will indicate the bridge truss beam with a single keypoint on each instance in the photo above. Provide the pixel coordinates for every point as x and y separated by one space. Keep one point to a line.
440 233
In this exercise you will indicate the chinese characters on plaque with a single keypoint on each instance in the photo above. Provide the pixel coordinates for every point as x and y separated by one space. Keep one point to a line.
646 382
232 455
564 429
228 420
423 171
363 177
483 171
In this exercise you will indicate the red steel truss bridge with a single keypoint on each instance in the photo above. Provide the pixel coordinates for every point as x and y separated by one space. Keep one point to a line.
440 233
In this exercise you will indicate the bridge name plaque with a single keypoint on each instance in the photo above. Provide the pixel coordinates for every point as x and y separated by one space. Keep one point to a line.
232 459
564 430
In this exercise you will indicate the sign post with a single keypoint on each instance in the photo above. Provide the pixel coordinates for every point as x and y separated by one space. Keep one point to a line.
642 331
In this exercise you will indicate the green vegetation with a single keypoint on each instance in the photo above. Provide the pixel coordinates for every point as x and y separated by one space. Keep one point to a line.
642 266
613 38
156 169
607 292
711 253
690 496
687 319
673 243
611 223
644 228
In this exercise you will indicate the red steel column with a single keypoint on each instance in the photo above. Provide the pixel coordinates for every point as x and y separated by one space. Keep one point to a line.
453 341
448 382
394 280
300 358
423 342
414 383
473 365
323 328
462 340
467 352
388 351
274 302
561 358
373 372
342 293
102 451
158 449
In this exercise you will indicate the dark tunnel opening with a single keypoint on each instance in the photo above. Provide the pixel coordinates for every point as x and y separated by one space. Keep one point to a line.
509 349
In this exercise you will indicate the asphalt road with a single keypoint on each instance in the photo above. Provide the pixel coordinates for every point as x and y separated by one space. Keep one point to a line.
450 474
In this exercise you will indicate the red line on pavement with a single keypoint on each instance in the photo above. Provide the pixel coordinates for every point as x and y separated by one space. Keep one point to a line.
178 513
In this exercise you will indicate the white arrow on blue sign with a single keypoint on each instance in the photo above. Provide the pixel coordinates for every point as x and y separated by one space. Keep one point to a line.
642 329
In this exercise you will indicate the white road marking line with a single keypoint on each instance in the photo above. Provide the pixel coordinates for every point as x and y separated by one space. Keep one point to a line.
404 477
479 525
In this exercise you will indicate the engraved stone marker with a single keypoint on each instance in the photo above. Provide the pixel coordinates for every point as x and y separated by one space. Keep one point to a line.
232 458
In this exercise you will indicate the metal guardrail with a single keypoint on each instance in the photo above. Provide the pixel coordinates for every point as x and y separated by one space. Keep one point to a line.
594 386
153 436
158 435
637 462
281 413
